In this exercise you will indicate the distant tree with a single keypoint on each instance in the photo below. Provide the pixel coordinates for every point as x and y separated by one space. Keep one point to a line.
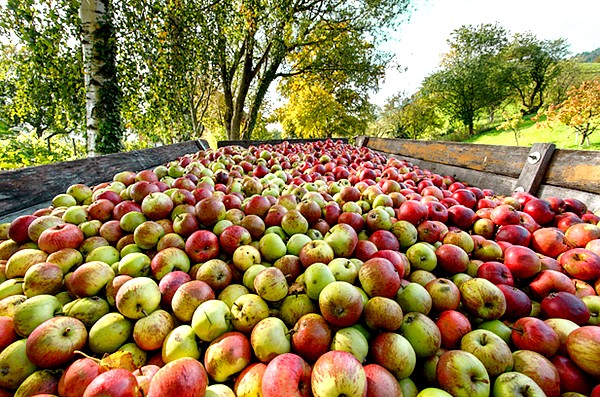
581 110
41 69
414 117
470 79
512 122
531 66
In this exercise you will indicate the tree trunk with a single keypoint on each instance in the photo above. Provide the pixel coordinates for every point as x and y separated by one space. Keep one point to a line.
90 12
103 120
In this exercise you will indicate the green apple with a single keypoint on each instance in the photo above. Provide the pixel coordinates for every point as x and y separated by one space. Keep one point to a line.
422 333
293 222
353 341
493 352
32 385
413 297
246 256
516 384
231 293
272 247
109 333
20 261
461 374
34 311
150 332
90 228
138 297
181 342
269 338
136 264
271 284
10 287
76 215
497 327
343 269
316 277
15 364
107 254
9 304
296 242
43 278
405 232
139 357
247 311
131 220
421 257
211 320
433 392
88 310
295 306
482 298
250 274
66 259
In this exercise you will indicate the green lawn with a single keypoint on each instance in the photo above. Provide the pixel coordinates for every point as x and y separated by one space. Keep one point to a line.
562 136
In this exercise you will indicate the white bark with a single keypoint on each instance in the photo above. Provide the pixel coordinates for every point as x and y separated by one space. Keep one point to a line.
91 12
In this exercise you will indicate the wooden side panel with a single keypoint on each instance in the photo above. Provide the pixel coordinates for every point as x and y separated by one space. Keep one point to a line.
501 160
575 169
31 186
502 185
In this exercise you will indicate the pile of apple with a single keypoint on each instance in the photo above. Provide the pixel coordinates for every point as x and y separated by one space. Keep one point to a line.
317 269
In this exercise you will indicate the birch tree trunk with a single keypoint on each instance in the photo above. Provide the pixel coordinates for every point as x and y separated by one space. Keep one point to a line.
90 12
103 120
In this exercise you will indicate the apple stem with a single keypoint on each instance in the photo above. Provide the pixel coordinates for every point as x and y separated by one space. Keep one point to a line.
483 380
144 312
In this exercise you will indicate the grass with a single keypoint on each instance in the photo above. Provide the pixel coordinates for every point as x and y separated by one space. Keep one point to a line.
562 136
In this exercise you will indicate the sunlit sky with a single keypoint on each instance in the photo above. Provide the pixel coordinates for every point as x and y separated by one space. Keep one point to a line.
420 42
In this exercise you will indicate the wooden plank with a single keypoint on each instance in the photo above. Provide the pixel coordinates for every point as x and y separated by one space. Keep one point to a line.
501 160
501 185
27 187
535 167
575 169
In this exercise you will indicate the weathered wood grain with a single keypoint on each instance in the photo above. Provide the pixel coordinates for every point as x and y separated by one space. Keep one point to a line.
575 169
31 186
535 167
500 160
501 184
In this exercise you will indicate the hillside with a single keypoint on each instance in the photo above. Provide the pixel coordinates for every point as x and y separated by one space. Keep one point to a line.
562 136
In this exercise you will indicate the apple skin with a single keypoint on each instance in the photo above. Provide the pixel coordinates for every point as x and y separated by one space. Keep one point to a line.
538 368
17 230
572 378
341 303
483 299
311 336
228 354
530 333
581 264
522 262
54 342
66 235
460 373
184 376
114 383
379 277
518 304
493 352
516 384
548 281
565 305
202 246
445 295
453 325
393 352
78 376
583 346
381 382
247 383
287 375
16 367
549 241
338 373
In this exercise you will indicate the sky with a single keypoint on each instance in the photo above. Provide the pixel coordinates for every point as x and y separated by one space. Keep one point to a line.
420 42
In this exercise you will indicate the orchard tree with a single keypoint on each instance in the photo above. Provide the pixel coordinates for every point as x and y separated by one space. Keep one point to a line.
166 71
470 79
40 69
256 42
581 110
532 65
